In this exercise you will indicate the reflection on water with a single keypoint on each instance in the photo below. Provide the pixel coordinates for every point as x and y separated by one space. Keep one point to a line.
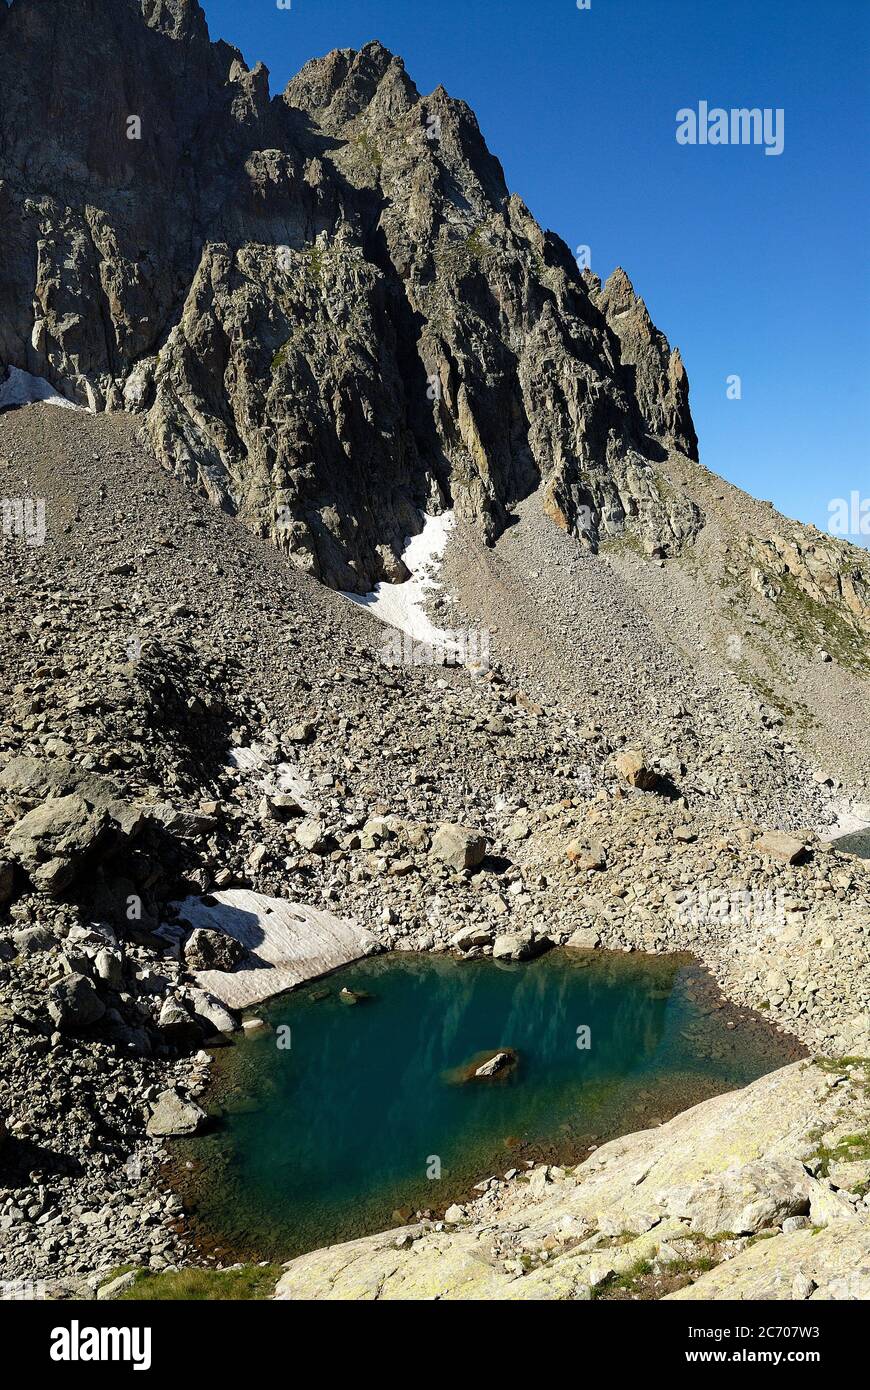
325 1139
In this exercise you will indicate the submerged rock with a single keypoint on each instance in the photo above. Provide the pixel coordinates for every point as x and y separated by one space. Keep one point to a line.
353 996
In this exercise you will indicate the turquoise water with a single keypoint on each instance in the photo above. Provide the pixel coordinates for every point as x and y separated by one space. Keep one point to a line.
330 1138
858 843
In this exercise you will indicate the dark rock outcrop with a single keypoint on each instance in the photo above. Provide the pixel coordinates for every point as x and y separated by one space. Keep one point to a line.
326 305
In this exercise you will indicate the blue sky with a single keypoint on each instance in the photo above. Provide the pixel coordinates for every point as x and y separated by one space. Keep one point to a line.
756 265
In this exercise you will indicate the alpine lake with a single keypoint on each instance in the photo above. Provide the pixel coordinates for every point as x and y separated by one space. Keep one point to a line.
358 1104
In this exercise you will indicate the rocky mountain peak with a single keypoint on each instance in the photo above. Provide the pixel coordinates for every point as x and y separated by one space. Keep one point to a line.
327 308
180 19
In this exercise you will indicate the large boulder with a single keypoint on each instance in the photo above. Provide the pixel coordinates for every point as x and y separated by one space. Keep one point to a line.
74 1004
172 1115
52 840
458 847
50 778
634 769
207 949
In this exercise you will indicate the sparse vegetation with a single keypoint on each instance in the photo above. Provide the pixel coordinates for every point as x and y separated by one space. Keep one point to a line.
241 1284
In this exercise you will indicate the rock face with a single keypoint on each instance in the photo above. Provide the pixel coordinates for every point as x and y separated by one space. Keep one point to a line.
343 318
658 375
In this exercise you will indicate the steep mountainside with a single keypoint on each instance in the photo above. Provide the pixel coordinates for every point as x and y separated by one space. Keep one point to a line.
327 305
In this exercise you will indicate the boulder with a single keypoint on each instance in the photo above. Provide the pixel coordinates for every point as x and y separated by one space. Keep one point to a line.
458 847
777 844
520 945
498 1062
634 769
586 854
74 1004
31 940
210 1013
584 939
174 1116
311 836
207 949
109 966
51 841
469 937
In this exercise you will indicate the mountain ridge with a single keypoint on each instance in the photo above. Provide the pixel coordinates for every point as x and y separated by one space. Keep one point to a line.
394 318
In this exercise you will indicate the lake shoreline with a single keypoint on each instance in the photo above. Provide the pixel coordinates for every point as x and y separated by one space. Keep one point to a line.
213 1245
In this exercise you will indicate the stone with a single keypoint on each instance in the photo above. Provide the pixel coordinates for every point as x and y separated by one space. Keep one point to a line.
207 949
74 1004
458 847
310 835
521 945
30 941
173 1116
115 1287
777 844
209 1012
586 854
300 733
633 768
51 841
174 1017
469 937
109 966
497 1063
584 939
453 1215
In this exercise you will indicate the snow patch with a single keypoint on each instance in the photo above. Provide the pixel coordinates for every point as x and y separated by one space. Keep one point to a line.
402 605
851 819
22 388
284 777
